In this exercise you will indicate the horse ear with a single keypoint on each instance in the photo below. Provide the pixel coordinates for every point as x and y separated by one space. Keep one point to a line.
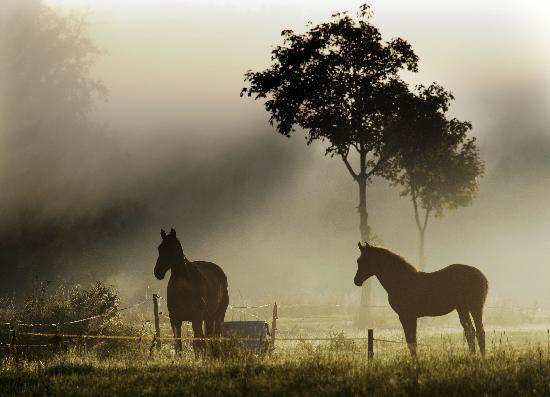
162 233
173 232
363 247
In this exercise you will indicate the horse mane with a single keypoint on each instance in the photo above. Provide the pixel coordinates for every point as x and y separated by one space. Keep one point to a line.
186 265
185 259
395 260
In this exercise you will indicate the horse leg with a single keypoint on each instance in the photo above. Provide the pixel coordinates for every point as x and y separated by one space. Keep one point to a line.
223 309
198 345
209 332
466 322
220 314
218 323
477 315
409 326
209 328
176 329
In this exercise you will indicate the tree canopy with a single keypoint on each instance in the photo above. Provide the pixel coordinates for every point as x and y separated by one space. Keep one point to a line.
338 81
438 164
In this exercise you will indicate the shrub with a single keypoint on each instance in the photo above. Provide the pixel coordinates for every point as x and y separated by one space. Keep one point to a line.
97 305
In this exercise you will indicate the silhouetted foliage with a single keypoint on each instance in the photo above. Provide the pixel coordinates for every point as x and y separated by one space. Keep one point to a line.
339 82
63 304
438 165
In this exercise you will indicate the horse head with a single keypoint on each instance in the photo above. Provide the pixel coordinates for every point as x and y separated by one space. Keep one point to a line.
365 264
170 253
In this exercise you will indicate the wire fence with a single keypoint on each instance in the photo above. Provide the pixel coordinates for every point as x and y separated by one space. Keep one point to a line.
59 337
64 323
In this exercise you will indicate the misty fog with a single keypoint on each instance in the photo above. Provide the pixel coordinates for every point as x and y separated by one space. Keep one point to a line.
173 145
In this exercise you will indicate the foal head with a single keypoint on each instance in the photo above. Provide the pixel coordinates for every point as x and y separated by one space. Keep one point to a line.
366 264
170 253
376 261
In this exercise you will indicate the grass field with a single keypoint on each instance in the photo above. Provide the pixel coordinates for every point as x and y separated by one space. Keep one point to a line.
517 364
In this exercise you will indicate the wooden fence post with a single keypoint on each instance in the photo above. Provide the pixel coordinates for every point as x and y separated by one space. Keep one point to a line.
370 344
157 321
57 339
274 325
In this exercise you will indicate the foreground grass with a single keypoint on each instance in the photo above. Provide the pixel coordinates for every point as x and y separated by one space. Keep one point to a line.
443 369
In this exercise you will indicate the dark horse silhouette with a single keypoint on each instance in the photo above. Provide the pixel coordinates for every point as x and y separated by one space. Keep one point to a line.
414 294
197 291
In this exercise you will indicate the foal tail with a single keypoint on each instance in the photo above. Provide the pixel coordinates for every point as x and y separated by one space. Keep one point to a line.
479 289
484 288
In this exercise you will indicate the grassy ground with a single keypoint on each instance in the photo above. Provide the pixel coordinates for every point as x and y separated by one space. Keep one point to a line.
517 364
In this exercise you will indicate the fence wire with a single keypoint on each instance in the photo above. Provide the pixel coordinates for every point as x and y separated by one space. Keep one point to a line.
183 338
60 324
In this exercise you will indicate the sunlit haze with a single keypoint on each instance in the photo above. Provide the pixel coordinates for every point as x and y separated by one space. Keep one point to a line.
279 216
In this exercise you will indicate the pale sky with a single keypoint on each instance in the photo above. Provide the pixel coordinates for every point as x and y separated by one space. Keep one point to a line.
169 57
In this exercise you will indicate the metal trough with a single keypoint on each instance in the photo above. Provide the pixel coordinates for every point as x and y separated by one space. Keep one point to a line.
252 335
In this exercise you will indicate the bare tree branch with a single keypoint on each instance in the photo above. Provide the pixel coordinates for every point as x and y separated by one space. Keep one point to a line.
426 216
348 166
378 165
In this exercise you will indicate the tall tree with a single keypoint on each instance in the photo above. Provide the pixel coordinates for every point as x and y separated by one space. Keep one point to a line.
339 82
438 164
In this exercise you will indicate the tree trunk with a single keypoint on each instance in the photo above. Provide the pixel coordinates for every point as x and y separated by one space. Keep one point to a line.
366 290
421 257
364 227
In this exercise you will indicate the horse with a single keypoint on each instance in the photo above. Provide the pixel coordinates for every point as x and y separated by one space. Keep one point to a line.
196 292
413 294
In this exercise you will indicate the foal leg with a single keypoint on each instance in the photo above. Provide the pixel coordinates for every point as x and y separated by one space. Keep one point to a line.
466 322
409 326
477 315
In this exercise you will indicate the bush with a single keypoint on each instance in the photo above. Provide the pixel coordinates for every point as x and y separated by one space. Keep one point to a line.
98 304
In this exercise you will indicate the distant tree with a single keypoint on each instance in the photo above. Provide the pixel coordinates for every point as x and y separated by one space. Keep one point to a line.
46 95
339 83
46 58
438 164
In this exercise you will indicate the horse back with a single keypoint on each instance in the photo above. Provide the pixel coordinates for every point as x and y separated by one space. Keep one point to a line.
459 274
437 293
213 282
211 273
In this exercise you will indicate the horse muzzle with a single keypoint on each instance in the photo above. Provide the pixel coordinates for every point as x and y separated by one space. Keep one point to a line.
360 280
158 274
